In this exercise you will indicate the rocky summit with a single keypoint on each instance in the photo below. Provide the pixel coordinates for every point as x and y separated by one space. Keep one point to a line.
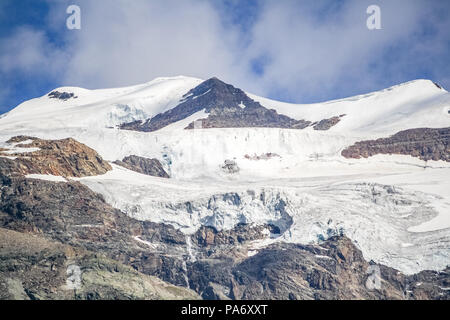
227 106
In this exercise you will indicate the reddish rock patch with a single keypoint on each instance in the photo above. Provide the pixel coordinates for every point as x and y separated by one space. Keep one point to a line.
65 157
326 124
423 143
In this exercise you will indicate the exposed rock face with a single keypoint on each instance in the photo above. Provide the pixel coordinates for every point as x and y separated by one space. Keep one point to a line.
230 166
424 143
61 95
72 214
228 107
334 270
151 167
243 117
66 157
208 236
32 267
326 124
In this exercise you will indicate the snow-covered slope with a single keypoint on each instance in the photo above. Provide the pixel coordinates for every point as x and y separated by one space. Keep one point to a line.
306 184
414 104
100 108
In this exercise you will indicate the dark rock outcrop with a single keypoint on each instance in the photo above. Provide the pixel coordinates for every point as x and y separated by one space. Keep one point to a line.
151 167
335 269
209 236
424 143
230 166
228 107
326 124
66 157
61 95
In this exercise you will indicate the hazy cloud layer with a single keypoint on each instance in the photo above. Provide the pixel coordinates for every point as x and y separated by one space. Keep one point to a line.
294 50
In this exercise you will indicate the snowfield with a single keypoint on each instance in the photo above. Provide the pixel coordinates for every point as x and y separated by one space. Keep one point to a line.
395 208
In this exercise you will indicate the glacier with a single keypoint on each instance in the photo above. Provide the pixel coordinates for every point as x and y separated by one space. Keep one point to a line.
395 208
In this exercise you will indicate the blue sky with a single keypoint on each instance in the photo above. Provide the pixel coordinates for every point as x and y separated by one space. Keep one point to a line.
297 51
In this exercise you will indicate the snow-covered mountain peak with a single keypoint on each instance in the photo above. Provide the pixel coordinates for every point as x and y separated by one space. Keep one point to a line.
92 117
282 165
415 103
101 107
227 107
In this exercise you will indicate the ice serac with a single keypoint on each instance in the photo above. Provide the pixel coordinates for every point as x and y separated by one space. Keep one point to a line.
227 106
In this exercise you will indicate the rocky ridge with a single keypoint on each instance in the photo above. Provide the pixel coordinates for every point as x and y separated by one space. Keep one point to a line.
423 143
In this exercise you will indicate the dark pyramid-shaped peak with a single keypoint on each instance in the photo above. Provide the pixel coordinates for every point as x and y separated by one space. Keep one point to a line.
228 107
214 84
216 94
211 83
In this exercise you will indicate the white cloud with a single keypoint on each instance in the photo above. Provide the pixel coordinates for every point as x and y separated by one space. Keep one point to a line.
310 57
312 50
30 52
27 57
126 42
